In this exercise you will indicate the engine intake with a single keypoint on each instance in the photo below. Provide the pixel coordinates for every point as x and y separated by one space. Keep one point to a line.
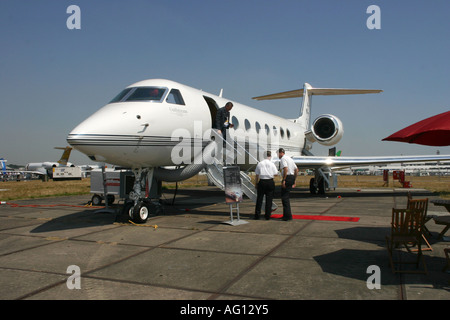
326 130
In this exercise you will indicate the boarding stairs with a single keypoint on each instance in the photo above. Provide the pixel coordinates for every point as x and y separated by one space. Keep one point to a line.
215 169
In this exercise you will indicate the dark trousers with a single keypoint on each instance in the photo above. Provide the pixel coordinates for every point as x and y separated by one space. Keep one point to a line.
224 150
224 136
285 193
265 188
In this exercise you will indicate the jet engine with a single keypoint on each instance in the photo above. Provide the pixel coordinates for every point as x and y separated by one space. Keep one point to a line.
326 130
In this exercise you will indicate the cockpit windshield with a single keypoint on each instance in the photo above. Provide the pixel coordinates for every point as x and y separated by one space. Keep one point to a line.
140 94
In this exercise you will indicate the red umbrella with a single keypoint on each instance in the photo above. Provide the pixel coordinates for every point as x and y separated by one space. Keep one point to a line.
433 131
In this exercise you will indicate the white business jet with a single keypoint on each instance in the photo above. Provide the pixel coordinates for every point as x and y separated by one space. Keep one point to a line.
46 168
155 124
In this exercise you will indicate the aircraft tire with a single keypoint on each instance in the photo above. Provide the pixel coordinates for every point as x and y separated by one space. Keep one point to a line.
128 209
321 186
312 187
140 212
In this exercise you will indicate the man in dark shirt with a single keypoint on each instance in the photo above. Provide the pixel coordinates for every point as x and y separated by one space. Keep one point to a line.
223 123
223 119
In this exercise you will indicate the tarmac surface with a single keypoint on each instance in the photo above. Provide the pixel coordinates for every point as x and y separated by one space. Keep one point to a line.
189 253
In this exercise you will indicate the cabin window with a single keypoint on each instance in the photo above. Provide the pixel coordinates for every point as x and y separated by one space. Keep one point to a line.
288 133
257 126
282 132
247 125
175 97
267 129
235 122
275 132
140 94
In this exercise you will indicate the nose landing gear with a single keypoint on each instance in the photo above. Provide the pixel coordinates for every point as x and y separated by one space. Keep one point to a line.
139 207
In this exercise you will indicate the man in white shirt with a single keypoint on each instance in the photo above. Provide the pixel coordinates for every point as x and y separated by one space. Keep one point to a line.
265 171
289 172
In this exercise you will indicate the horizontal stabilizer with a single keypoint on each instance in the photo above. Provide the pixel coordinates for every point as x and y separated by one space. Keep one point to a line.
315 91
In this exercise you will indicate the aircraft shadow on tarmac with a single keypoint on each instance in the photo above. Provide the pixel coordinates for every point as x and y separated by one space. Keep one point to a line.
76 220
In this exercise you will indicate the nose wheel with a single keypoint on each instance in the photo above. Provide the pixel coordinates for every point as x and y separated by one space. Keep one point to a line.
142 210
138 212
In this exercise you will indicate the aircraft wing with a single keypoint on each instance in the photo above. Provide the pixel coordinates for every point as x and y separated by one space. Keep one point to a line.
343 162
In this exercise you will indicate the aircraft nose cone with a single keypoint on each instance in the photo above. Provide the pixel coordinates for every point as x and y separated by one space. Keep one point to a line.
119 133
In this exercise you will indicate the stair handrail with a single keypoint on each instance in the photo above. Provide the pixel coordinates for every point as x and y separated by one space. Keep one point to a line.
216 134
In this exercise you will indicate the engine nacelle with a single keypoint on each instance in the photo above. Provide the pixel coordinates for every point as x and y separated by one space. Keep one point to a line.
326 130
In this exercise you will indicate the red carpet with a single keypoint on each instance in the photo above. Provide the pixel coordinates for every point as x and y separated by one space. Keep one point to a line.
315 217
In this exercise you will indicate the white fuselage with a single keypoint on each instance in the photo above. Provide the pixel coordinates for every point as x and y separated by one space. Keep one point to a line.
44 167
143 133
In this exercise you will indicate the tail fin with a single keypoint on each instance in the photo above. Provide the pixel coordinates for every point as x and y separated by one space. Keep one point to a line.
3 161
307 92
65 156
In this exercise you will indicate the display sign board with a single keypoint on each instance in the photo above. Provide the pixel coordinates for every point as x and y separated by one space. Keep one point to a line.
233 192
232 179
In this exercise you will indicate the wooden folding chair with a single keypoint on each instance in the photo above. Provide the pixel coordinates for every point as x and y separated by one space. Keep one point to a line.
406 227
421 204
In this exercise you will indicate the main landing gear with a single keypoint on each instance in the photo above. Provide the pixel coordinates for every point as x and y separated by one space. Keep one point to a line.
317 185
139 206
323 179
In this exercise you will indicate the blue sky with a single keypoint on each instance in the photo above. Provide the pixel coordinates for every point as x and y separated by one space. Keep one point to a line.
52 78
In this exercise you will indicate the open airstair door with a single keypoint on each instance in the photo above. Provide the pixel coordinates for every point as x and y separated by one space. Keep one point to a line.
213 107
215 169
